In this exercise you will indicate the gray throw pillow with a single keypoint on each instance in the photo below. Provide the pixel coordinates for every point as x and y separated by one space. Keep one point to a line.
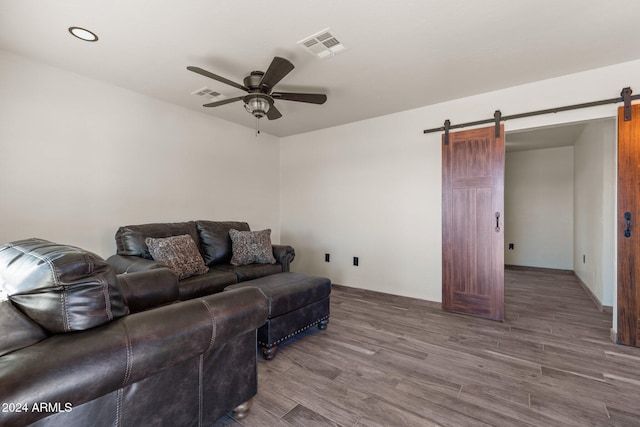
179 253
251 247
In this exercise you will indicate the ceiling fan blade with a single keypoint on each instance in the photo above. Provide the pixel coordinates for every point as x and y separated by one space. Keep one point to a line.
224 101
311 98
279 68
217 77
273 113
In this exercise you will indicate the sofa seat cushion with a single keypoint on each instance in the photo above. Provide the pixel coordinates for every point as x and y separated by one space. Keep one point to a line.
251 271
289 291
205 284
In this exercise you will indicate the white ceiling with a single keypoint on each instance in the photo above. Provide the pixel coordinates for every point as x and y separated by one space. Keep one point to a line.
402 54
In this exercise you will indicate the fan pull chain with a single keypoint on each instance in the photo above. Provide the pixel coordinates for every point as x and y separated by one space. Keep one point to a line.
257 127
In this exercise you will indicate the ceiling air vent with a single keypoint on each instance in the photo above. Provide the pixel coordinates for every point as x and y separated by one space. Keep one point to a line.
323 44
205 91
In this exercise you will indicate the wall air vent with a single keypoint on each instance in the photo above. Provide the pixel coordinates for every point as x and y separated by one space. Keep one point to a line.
323 44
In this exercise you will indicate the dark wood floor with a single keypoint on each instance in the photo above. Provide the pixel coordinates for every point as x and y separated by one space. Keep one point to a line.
393 361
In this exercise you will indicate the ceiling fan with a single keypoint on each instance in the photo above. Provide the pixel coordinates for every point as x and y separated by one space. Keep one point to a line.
260 99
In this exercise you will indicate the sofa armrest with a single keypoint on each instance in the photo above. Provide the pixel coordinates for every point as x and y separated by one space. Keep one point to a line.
75 368
131 264
147 289
173 333
284 254
237 313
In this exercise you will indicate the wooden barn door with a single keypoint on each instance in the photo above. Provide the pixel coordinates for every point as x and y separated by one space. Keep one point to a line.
472 223
629 227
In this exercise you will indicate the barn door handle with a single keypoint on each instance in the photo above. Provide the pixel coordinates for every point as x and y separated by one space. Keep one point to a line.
497 222
627 218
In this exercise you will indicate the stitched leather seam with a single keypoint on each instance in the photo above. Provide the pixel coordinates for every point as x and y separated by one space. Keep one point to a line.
127 372
65 312
107 300
214 328
119 397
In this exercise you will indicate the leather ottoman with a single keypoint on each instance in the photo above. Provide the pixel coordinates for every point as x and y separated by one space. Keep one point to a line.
296 302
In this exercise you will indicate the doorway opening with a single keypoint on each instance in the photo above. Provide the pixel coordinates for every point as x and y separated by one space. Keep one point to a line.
560 202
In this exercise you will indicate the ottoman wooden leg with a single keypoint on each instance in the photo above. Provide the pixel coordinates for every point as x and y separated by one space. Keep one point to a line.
269 353
240 411
322 325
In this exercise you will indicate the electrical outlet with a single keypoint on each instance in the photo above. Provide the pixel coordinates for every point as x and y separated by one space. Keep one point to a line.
511 246
355 261
327 257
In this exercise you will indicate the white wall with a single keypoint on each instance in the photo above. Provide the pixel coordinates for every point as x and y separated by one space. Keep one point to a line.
373 189
594 200
366 190
79 158
538 208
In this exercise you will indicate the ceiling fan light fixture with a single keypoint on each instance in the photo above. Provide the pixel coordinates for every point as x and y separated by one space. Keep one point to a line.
83 34
258 106
259 101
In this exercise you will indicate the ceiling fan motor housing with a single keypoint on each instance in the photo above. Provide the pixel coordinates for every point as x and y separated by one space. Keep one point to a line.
252 81
258 102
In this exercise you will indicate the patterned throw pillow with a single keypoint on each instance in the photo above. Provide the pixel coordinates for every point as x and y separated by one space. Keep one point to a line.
251 247
179 253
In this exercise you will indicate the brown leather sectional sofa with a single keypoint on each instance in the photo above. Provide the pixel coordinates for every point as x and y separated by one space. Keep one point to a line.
80 345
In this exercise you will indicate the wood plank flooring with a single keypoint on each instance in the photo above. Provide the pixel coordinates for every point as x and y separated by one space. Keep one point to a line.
393 361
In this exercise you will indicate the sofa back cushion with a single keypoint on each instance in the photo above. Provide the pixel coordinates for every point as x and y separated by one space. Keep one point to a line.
215 242
130 239
61 288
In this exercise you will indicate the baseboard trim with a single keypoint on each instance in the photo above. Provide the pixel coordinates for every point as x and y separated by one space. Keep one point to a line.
391 298
537 269
594 298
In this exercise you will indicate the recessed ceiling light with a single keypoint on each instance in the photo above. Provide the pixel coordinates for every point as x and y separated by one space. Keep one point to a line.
83 34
